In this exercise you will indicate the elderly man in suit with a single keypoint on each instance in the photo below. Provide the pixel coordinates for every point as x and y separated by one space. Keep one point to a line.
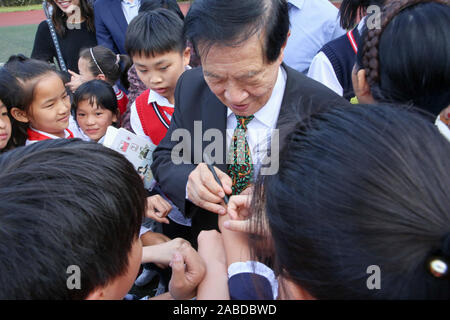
242 89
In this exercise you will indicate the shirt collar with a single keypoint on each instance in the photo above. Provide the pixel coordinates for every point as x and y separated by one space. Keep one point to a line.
159 99
297 3
273 105
135 2
51 136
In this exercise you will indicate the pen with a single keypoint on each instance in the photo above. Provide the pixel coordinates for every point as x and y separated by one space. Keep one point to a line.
211 168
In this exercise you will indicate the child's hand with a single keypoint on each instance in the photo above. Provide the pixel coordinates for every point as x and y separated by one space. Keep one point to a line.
239 217
188 270
158 208
75 81
162 253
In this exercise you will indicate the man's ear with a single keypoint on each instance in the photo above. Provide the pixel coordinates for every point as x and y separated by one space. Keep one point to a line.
362 88
281 56
20 115
186 56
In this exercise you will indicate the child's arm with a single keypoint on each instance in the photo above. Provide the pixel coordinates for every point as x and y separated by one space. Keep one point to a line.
162 253
215 284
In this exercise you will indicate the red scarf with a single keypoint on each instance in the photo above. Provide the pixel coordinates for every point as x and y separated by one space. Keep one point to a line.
37 136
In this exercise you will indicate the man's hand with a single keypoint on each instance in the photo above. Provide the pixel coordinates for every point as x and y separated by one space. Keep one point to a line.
205 192
158 208
188 270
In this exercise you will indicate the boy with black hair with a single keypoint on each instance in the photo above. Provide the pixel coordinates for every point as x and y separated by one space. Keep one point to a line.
78 222
157 46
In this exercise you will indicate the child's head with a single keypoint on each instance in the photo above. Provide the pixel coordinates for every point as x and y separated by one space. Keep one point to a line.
95 107
359 187
45 104
407 60
9 97
74 210
351 9
103 64
155 42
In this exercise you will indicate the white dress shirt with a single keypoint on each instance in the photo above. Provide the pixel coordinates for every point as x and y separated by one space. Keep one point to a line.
130 9
313 24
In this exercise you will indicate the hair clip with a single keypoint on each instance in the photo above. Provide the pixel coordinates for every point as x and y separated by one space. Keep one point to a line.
438 267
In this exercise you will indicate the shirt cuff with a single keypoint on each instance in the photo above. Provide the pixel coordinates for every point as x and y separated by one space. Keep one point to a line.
258 268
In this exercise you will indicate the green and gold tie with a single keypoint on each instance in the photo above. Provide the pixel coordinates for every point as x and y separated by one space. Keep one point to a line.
240 166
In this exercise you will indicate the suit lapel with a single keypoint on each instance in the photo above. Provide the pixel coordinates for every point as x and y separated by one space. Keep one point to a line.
287 96
214 116
117 13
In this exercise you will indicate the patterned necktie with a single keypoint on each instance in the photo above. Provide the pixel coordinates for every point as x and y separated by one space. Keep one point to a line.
240 166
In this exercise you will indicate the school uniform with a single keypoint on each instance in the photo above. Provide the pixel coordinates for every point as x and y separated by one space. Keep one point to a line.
35 135
333 65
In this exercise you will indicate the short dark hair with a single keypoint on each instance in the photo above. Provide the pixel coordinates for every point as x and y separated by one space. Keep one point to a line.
66 202
360 186
155 32
172 5
399 71
351 9
232 22
96 91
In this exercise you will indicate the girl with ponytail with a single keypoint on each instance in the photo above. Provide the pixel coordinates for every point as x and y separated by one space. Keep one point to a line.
102 64
407 59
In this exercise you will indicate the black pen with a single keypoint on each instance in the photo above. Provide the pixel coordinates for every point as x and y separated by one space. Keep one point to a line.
211 168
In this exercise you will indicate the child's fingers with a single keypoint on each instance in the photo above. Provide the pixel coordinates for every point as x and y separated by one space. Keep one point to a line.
237 225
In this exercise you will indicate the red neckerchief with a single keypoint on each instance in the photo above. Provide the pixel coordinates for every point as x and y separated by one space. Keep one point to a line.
37 136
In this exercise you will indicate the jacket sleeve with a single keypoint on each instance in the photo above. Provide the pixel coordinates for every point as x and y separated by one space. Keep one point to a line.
104 37
172 176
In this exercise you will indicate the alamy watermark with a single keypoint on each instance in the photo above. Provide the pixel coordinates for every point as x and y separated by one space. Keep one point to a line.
374 280
210 145
74 278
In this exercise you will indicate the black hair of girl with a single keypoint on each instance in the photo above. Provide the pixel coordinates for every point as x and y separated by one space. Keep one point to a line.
172 5
59 18
351 9
357 187
113 66
10 95
407 60
98 92
27 73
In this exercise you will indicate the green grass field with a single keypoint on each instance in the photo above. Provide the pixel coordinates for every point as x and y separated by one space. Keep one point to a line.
21 8
16 39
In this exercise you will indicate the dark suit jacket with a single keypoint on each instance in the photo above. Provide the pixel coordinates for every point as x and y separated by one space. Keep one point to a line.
110 25
194 101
